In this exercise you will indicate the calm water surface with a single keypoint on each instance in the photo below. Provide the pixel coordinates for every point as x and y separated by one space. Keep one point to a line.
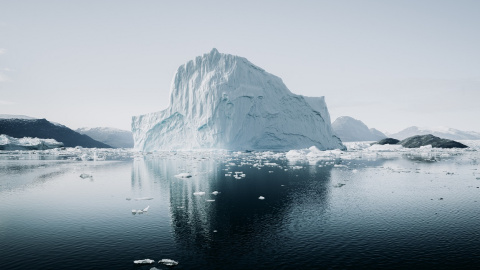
364 214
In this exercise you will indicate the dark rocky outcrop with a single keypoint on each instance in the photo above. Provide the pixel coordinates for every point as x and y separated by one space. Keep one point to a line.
41 128
434 141
387 141
423 140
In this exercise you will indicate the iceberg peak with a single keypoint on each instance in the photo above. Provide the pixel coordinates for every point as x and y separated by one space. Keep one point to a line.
214 51
224 101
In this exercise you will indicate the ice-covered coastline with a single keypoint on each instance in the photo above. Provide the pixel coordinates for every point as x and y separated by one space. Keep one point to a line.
312 155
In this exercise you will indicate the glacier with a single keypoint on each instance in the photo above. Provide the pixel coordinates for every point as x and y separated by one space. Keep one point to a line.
223 101
27 143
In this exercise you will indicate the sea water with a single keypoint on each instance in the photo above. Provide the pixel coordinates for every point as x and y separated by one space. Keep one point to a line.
357 209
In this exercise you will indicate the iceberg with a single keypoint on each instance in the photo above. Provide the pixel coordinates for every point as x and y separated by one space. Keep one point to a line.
222 101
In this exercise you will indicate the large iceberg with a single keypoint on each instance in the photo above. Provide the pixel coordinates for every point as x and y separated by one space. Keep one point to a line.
222 101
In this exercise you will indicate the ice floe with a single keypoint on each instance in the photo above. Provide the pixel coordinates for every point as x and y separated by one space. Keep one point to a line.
168 262
143 199
144 261
183 175
84 175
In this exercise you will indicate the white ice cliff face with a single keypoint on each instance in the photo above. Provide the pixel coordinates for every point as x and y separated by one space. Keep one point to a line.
223 101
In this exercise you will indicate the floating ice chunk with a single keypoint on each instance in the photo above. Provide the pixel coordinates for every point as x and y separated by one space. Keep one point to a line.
215 193
354 171
146 209
84 175
339 185
261 198
183 175
143 199
199 193
168 262
270 171
145 261
339 166
134 212
210 200
385 148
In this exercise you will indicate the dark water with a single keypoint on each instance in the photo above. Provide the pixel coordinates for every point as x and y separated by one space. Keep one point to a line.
385 213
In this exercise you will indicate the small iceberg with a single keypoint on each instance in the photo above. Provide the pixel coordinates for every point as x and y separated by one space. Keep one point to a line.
84 175
145 261
146 209
215 193
143 199
199 193
183 175
261 198
168 262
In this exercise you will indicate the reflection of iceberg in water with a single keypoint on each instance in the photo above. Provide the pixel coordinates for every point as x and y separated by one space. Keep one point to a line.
236 216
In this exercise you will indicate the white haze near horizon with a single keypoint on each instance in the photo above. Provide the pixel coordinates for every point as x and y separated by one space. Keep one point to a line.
388 64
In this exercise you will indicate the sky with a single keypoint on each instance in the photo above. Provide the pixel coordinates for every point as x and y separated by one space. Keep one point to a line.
390 64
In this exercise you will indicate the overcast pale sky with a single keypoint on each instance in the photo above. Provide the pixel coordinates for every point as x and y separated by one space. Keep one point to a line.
391 64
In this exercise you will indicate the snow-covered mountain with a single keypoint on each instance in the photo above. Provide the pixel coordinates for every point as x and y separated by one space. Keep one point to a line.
15 116
224 101
349 129
114 137
442 132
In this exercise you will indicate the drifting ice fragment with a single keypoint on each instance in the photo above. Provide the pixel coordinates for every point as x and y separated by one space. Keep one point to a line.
199 193
215 193
145 261
146 209
84 175
261 198
168 262
183 175
143 199
210 200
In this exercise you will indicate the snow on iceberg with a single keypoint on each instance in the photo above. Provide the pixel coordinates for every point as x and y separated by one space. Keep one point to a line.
223 101
27 143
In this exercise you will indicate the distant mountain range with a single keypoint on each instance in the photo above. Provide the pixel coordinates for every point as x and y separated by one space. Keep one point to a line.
349 129
115 137
442 132
24 126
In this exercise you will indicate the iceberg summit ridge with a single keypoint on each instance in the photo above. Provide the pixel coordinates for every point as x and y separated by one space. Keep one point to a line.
222 101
